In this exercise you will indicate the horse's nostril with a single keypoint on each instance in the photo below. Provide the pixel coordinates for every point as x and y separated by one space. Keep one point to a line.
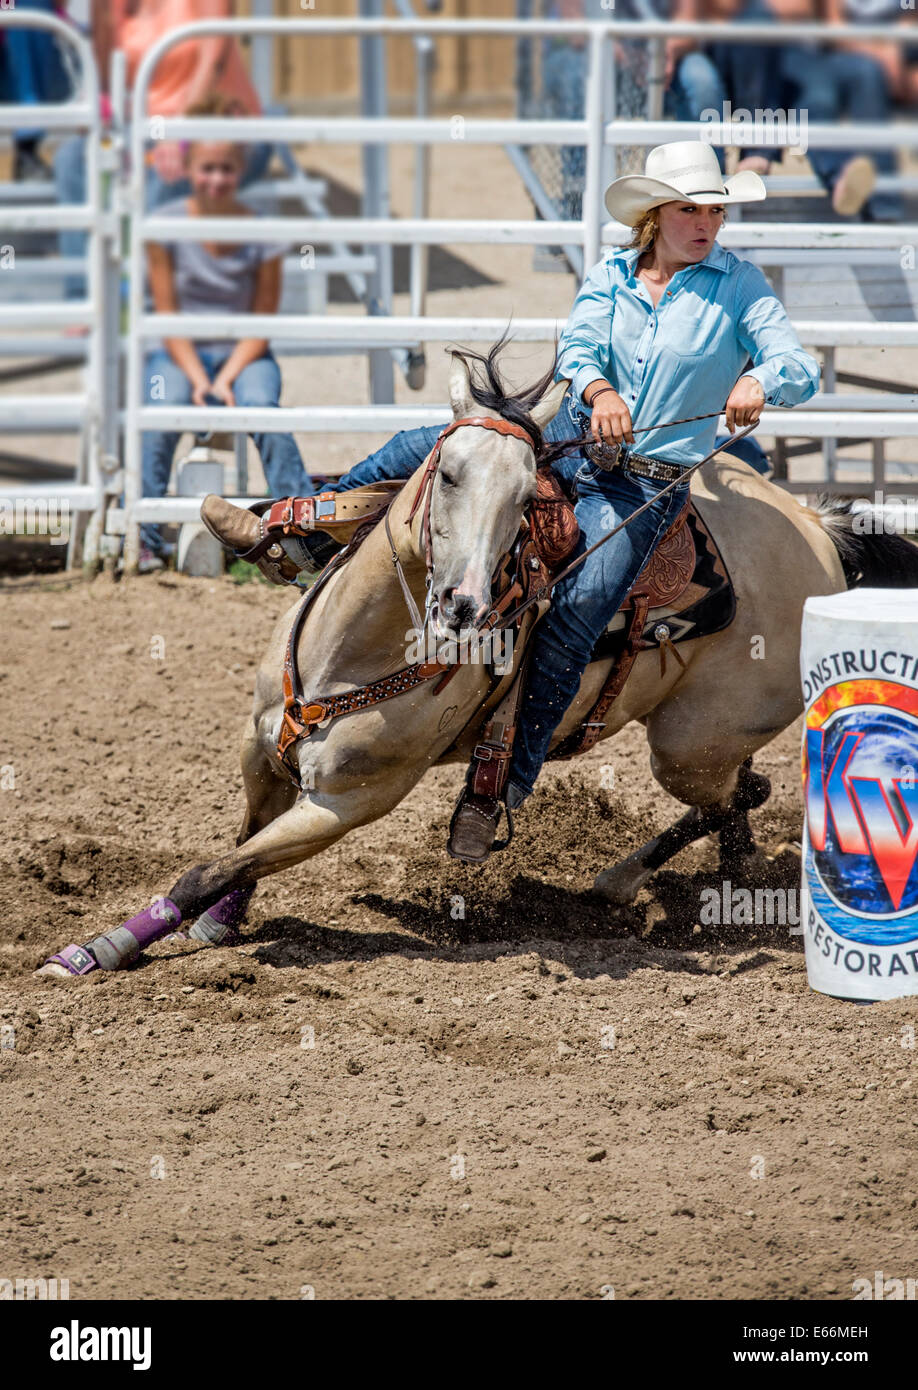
464 607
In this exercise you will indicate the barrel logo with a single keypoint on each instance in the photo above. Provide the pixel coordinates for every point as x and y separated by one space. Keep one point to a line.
860 775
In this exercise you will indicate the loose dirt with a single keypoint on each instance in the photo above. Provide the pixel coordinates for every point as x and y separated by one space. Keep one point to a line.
413 1079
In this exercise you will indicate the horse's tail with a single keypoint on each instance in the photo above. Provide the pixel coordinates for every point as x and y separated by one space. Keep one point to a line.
870 556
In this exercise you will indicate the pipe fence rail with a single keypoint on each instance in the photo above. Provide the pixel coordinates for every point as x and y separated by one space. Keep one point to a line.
85 412
600 134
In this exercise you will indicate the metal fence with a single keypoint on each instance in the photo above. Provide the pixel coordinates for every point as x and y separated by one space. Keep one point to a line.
84 412
600 134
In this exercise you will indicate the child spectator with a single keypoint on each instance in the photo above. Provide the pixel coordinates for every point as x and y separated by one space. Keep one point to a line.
202 277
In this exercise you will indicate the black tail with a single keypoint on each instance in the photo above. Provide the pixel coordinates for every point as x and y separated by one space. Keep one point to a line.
870 557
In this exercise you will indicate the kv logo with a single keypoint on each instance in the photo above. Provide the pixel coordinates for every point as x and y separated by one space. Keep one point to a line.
873 816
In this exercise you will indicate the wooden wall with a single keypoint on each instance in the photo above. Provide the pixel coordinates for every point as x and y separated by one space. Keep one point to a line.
322 73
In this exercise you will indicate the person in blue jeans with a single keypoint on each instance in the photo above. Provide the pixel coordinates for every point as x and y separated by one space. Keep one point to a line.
827 82
197 277
670 327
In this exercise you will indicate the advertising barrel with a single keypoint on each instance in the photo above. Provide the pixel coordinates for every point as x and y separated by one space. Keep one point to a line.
859 899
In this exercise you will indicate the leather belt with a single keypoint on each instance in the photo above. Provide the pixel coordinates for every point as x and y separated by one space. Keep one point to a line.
609 456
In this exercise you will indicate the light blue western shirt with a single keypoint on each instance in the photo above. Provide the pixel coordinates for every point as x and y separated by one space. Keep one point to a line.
718 320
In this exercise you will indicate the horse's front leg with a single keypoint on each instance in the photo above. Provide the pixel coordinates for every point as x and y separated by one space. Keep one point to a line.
314 823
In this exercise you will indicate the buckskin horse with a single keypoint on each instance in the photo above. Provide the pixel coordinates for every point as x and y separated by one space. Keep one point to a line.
344 747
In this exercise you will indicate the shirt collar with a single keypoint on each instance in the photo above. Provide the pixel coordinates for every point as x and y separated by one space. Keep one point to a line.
716 259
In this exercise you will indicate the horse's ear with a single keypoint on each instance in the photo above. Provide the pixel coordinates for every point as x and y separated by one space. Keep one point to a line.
460 389
550 403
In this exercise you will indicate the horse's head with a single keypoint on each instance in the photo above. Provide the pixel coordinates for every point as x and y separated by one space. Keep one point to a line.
484 482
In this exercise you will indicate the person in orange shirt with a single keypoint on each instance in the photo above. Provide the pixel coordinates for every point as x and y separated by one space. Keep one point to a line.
184 76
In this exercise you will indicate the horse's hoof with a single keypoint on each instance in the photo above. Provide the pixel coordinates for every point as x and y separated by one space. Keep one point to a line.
621 884
51 967
68 963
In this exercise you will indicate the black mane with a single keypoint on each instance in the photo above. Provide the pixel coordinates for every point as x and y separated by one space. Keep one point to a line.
514 406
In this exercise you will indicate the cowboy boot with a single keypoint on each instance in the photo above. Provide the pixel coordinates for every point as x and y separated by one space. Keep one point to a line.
235 527
473 828
240 529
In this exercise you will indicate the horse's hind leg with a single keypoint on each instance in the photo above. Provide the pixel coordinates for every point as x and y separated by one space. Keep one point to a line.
725 809
738 849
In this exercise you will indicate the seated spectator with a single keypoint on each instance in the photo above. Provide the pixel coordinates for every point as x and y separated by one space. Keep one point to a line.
829 83
183 77
898 61
200 277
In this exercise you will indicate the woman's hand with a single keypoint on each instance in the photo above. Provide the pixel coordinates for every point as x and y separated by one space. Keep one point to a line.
610 422
199 391
673 53
744 404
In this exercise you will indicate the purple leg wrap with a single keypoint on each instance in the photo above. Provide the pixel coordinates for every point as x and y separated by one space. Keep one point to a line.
214 924
75 959
123 945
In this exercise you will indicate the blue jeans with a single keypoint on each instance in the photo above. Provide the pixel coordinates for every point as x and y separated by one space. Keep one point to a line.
258 384
32 70
697 86
583 604
70 183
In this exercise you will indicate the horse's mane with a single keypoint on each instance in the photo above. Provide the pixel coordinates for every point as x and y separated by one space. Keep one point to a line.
489 389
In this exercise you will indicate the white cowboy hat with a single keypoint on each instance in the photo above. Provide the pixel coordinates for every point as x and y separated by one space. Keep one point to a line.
682 171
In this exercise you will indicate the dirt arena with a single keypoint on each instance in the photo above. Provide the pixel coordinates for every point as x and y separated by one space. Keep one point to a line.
461 1127
543 1098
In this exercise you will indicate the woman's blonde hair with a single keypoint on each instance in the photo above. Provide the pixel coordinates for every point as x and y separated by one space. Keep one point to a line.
644 231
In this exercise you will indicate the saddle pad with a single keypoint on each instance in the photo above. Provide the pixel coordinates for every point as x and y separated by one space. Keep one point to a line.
706 605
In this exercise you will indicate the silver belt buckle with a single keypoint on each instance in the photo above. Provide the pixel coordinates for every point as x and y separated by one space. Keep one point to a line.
605 456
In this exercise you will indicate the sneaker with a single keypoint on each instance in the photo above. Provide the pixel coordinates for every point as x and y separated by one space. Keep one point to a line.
150 562
28 166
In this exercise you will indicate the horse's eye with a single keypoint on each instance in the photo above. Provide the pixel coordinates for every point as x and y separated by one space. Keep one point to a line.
445 478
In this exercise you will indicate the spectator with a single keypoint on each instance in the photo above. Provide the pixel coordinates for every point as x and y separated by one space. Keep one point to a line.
183 77
829 83
198 277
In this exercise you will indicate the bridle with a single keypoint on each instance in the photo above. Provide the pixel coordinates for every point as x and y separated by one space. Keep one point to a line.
422 503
